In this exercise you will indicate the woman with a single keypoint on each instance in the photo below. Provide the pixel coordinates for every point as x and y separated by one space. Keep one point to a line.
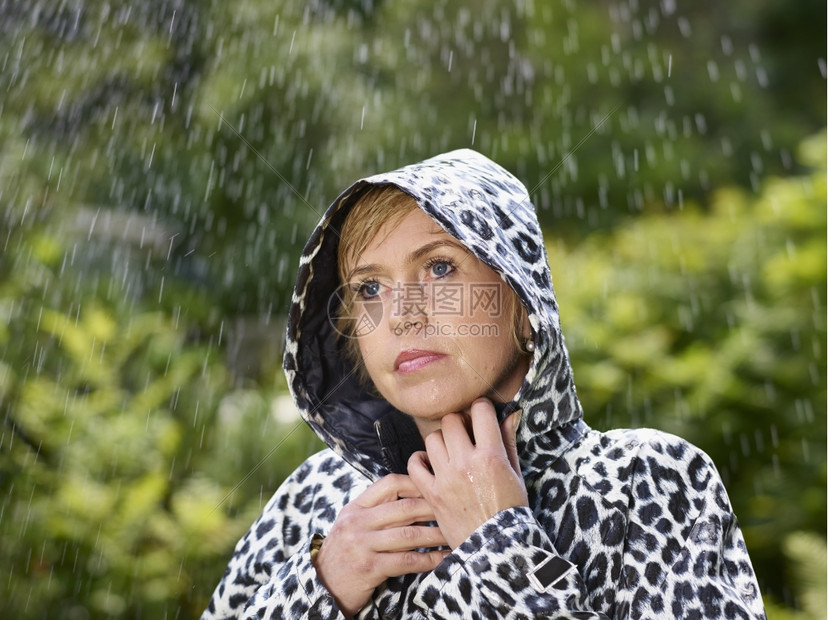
424 348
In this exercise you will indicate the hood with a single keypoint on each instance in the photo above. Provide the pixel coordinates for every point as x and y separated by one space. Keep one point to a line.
488 210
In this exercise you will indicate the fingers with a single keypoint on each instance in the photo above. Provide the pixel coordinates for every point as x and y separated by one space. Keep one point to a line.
375 536
405 562
409 537
436 448
387 489
459 436
456 437
419 469
399 513
484 423
508 431
393 501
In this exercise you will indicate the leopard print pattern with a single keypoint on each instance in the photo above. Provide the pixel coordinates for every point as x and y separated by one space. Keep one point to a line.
624 524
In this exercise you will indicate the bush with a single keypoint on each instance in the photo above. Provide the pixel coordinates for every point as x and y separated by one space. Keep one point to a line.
712 326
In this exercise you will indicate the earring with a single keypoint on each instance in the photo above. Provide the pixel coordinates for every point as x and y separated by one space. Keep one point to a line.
529 345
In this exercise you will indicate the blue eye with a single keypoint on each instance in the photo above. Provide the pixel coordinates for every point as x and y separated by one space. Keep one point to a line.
367 290
441 268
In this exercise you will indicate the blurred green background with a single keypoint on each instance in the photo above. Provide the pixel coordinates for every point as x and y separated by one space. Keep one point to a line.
162 163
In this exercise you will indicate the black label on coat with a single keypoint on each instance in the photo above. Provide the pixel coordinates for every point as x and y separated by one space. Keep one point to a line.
551 572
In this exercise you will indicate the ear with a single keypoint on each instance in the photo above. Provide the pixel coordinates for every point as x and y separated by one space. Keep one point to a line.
525 327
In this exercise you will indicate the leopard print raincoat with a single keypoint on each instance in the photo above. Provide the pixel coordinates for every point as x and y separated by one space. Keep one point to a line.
628 524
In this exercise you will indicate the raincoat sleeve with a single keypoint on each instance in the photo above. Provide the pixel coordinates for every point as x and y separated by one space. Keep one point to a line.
492 571
509 567
703 569
271 574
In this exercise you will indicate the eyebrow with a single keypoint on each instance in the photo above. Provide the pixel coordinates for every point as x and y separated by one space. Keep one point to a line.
413 256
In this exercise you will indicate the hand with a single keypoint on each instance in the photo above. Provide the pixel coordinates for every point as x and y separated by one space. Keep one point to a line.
373 538
475 475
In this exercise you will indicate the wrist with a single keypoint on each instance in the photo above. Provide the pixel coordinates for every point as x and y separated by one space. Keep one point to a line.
318 558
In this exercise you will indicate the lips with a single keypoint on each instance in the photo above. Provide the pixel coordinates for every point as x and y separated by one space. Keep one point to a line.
414 359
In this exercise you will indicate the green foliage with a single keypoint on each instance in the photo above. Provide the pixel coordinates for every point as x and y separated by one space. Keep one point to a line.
128 467
713 327
806 554
98 488
230 126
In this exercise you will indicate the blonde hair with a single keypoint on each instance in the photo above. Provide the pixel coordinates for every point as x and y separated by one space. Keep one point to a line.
379 206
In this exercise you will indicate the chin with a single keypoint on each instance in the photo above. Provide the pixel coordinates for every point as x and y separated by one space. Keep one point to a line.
434 404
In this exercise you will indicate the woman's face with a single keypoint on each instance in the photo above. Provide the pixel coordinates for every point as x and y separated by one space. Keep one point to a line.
445 333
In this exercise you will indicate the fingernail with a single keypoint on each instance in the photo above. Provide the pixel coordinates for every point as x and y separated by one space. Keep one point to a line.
518 415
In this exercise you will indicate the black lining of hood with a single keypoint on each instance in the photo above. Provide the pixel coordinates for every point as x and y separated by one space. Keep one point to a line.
399 438
334 390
